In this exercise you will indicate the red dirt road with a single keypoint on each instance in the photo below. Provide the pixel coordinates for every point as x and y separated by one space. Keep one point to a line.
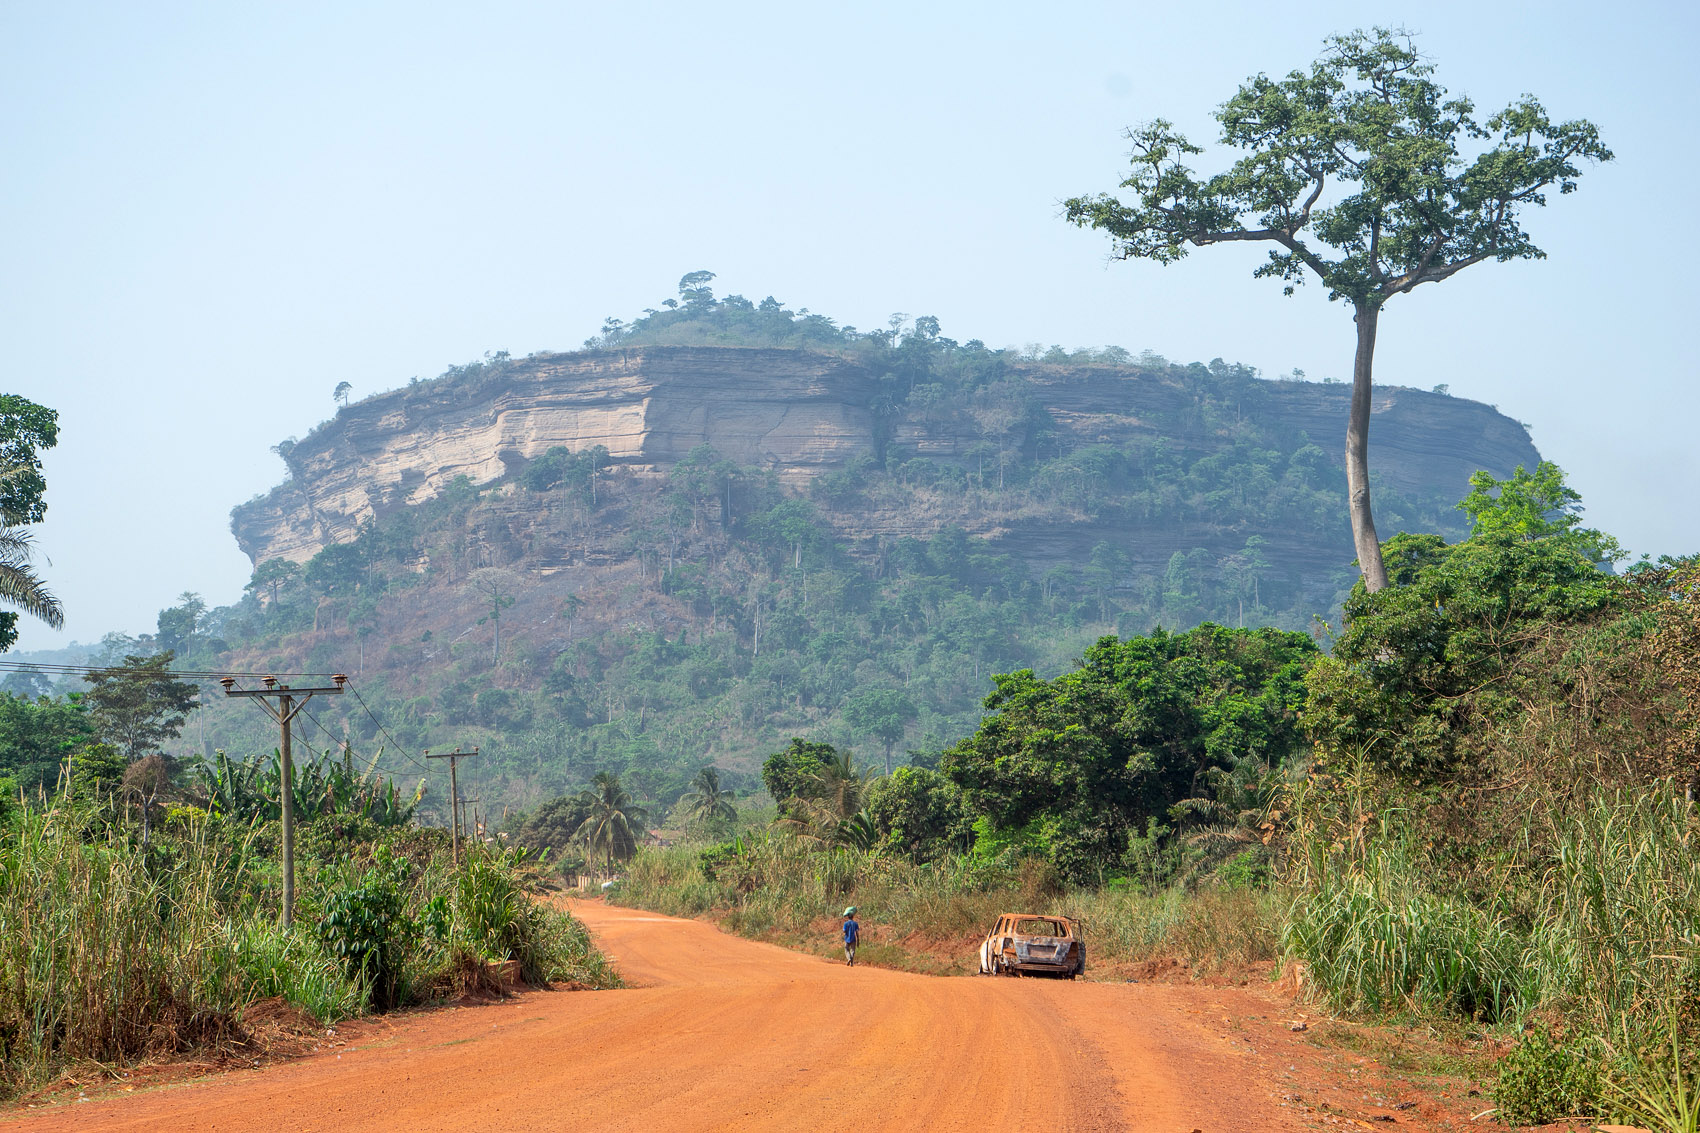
715 1032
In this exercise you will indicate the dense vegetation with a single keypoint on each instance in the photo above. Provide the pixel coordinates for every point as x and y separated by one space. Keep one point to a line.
140 894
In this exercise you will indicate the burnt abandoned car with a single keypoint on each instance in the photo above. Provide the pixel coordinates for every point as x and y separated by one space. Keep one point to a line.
1027 944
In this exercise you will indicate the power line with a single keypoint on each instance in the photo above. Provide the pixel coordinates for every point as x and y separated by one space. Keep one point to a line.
289 702
381 751
207 676
384 730
55 669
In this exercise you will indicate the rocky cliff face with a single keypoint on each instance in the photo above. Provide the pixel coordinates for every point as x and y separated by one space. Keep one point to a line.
801 414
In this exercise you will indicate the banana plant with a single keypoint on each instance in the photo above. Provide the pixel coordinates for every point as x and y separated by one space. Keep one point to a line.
252 788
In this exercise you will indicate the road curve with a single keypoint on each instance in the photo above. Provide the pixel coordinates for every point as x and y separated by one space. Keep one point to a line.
715 1032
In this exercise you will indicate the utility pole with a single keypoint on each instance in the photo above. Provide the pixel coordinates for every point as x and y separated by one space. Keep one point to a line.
289 702
454 792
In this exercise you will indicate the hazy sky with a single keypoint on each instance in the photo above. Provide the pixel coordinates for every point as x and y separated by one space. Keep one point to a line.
213 214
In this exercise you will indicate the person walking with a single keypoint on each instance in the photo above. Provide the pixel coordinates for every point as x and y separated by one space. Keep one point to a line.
852 931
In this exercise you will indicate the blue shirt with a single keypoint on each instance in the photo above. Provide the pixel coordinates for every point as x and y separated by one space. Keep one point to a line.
851 931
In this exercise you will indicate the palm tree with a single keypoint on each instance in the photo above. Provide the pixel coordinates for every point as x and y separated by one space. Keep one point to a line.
19 586
843 786
707 801
831 814
616 822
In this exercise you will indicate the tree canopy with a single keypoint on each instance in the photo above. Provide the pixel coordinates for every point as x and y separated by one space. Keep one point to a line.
794 772
138 704
1417 666
36 736
1075 766
884 713
1361 171
26 431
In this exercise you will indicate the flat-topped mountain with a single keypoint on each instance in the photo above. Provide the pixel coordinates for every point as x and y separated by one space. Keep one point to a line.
717 526
804 415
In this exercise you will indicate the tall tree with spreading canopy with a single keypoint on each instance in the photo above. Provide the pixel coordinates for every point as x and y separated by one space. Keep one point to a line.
883 713
1368 128
139 705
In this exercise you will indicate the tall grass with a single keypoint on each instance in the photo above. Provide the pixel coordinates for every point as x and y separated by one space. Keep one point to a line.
1582 920
291 965
111 951
1210 930
1609 928
108 952
1374 938
1617 933
779 884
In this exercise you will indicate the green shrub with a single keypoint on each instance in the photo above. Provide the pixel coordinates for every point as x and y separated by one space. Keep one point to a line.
1541 1081
1249 869
365 926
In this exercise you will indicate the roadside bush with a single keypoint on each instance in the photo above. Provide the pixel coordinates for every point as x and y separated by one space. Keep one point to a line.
102 956
292 964
365 926
495 916
1542 1081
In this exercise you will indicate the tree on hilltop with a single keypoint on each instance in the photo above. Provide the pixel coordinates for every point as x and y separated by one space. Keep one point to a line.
1366 121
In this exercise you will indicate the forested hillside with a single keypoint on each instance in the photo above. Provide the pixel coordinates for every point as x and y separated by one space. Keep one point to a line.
652 602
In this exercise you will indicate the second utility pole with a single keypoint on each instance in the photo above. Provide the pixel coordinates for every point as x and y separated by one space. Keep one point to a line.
283 714
454 792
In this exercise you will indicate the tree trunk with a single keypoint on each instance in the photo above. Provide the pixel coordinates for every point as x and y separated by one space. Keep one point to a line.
1357 454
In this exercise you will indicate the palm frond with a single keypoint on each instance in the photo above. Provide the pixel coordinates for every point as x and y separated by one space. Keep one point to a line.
19 585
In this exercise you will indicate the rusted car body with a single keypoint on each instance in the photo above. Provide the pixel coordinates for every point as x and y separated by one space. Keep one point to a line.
1027 944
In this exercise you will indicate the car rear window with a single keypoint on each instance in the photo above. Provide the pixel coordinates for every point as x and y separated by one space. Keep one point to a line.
1039 928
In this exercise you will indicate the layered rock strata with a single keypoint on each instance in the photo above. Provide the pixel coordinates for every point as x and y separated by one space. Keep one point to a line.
798 414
